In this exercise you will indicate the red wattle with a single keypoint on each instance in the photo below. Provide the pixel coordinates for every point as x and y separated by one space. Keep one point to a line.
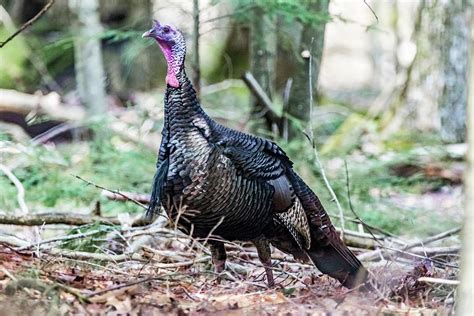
172 80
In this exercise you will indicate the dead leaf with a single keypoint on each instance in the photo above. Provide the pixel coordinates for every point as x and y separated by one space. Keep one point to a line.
121 306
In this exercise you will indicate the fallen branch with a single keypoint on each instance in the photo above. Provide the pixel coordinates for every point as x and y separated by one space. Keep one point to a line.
82 255
50 104
377 253
262 98
56 219
434 238
13 241
436 251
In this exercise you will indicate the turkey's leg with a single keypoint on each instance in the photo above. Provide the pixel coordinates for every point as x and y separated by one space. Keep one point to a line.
218 255
265 256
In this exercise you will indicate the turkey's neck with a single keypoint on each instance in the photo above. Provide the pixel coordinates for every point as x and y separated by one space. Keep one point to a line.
181 103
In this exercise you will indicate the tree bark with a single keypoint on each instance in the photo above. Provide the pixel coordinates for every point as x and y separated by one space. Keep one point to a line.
455 52
312 41
195 57
262 59
466 289
88 55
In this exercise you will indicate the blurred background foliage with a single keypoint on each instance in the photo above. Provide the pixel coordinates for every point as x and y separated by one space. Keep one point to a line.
390 95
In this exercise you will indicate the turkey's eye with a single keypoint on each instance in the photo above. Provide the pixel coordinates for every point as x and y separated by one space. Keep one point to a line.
166 29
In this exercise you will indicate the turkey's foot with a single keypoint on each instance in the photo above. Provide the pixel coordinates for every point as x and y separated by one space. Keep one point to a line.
265 256
219 265
219 256
269 273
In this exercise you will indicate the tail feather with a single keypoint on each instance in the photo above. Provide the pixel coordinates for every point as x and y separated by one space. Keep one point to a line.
337 261
327 250
157 190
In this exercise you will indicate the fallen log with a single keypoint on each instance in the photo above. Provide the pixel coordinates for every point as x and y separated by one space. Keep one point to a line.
50 104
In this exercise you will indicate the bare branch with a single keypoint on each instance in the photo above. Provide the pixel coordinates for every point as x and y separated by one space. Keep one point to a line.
262 98
126 196
28 23
371 10
112 191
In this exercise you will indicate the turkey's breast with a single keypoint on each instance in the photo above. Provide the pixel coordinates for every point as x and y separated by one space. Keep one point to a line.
205 194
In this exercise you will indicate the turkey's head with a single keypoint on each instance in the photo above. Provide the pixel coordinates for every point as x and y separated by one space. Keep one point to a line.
173 46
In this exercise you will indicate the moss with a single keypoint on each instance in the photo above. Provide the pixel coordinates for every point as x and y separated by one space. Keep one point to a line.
13 57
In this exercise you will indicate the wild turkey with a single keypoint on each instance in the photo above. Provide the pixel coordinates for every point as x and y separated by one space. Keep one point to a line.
215 180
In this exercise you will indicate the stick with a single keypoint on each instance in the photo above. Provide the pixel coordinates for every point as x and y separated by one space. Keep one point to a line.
56 219
13 241
19 187
352 209
111 191
431 239
436 251
438 281
50 104
372 10
28 23
126 196
261 96
82 255
310 137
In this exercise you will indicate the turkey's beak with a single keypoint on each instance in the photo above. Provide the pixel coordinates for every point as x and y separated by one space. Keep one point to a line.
147 33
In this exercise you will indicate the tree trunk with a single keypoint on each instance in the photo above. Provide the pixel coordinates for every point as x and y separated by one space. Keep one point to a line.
195 56
312 42
455 52
129 66
466 289
262 59
88 55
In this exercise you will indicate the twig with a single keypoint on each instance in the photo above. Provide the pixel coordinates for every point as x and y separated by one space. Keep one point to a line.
111 191
422 257
13 241
313 144
8 274
126 196
372 10
37 62
53 132
28 23
352 209
19 187
82 255
64 238
438 281
431 239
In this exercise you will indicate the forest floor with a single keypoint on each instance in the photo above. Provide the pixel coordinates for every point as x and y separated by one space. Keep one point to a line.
38 283
93 258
